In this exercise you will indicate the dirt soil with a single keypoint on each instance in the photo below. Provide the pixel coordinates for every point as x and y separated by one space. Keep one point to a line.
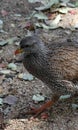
61 116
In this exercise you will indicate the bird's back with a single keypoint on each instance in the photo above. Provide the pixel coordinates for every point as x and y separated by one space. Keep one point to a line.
63 58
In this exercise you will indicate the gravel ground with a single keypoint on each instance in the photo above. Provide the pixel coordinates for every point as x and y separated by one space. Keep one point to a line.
61 116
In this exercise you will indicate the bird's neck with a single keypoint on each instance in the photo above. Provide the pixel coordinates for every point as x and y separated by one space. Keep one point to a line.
35 62
36 58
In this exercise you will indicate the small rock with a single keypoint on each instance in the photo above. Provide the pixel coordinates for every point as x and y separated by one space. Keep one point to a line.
64 97
1 101
17 43
4 12
11 100
25 76
1 24
17 15
75 106
7 110
76 25
5 72
13 25
38 98
12 66
1 90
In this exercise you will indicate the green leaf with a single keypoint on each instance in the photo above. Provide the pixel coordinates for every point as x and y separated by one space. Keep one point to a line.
30 15
47 6
64 10
65 1
76 4
40 16
44 2
44 26
33 1
71 5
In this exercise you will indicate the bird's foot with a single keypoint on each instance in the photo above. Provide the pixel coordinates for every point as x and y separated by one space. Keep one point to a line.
38 111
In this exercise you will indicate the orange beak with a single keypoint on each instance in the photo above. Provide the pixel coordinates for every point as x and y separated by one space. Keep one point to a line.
18 51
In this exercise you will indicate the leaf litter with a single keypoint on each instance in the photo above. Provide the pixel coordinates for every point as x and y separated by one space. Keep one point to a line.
60 6
15 84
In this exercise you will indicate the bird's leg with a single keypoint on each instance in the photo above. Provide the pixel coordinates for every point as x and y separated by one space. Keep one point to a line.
44 106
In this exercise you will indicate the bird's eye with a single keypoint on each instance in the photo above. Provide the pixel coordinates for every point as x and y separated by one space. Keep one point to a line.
26 45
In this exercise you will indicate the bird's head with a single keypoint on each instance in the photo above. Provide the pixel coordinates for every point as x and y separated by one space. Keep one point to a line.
31 45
